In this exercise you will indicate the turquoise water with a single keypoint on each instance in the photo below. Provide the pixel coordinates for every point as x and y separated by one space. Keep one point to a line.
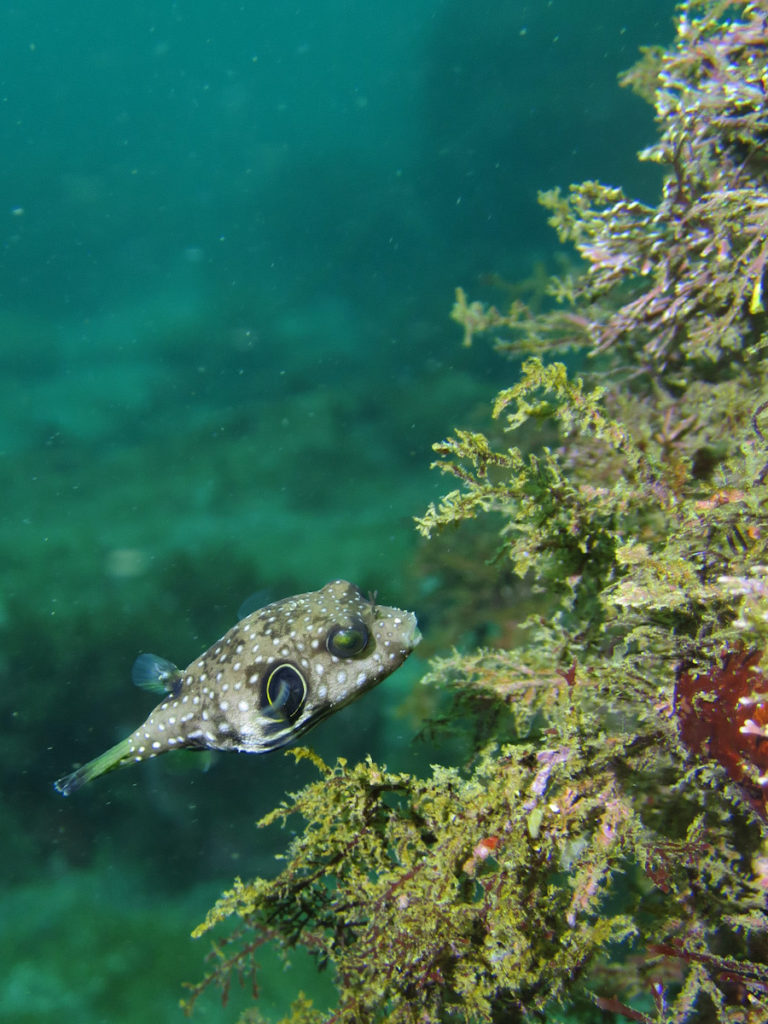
230 235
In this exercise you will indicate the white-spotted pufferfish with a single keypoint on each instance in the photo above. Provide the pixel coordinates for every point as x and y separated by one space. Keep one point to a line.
274 675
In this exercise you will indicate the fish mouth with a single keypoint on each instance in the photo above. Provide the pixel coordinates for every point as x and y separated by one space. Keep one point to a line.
415 638
412 637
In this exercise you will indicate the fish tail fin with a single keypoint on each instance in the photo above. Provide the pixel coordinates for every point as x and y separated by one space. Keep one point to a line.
98 766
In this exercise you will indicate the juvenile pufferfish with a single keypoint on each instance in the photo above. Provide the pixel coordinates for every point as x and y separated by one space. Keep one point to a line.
274 675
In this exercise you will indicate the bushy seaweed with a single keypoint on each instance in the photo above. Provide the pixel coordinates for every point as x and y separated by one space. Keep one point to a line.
603 847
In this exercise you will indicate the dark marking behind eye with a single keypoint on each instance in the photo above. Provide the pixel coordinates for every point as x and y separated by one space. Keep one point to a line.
284 691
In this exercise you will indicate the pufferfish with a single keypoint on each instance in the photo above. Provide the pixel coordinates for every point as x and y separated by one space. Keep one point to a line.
274 675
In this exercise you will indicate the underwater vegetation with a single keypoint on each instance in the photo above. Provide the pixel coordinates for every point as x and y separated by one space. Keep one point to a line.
598 848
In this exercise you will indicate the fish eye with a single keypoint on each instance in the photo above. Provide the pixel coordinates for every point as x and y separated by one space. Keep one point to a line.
285 691
348 641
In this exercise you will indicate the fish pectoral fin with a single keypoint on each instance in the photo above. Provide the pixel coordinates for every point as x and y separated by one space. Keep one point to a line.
155 674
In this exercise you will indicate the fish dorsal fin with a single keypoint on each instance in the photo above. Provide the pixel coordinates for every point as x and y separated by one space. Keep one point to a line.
155 674
254 603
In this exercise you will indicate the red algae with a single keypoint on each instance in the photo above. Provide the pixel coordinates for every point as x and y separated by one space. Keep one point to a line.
723 715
